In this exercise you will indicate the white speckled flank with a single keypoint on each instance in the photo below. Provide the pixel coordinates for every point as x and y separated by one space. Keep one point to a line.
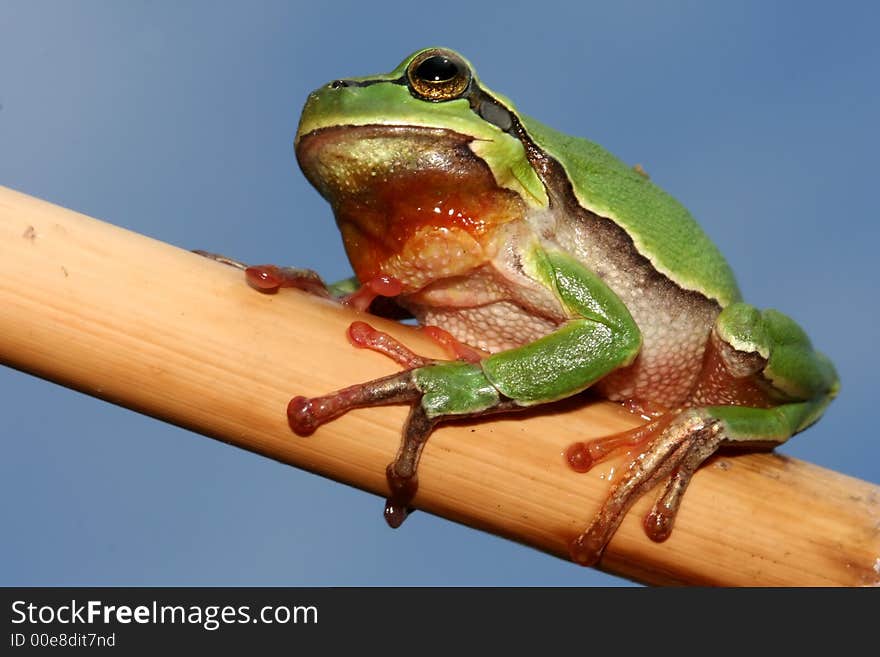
493 327
675 323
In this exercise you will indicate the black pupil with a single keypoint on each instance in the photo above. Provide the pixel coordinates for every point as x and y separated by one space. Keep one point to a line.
437 69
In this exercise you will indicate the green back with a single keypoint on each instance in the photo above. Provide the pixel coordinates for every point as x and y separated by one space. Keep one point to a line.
662 228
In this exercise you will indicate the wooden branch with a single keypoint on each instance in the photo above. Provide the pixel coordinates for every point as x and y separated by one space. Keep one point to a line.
157 329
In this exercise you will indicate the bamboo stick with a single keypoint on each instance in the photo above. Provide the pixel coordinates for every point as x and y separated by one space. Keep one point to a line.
157 329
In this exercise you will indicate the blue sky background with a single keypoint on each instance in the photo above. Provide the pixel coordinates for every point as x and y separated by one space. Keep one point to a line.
176 119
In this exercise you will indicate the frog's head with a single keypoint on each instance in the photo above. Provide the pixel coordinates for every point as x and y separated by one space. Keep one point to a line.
421 166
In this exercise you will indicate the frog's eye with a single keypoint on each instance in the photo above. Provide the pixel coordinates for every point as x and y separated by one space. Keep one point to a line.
438 75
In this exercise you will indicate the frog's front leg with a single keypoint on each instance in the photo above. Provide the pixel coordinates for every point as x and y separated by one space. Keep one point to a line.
600 337
271 278
435 392
375 295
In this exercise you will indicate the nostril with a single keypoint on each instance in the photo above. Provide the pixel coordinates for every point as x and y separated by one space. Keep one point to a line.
338 84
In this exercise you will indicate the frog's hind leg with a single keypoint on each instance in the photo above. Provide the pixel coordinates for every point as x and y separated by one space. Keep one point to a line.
675 454
582 456
659 521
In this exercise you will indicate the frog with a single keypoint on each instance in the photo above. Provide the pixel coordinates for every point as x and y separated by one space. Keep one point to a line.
546 266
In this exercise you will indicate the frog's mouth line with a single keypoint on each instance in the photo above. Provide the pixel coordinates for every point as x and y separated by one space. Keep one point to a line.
358 132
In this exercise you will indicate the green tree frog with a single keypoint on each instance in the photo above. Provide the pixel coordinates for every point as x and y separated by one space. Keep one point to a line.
547 266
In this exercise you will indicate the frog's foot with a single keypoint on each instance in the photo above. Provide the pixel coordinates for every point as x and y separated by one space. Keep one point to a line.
379 286
457 349
687 440
305 415
401 473
271 278
435 392
582 456
364 336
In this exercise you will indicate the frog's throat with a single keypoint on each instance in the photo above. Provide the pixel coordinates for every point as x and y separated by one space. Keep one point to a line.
411 202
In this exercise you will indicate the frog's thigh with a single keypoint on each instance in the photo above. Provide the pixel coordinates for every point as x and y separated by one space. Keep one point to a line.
562 363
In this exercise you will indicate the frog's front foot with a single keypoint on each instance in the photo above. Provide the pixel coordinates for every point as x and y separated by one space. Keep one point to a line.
435 390
305 415
677 449
271 278
377 295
